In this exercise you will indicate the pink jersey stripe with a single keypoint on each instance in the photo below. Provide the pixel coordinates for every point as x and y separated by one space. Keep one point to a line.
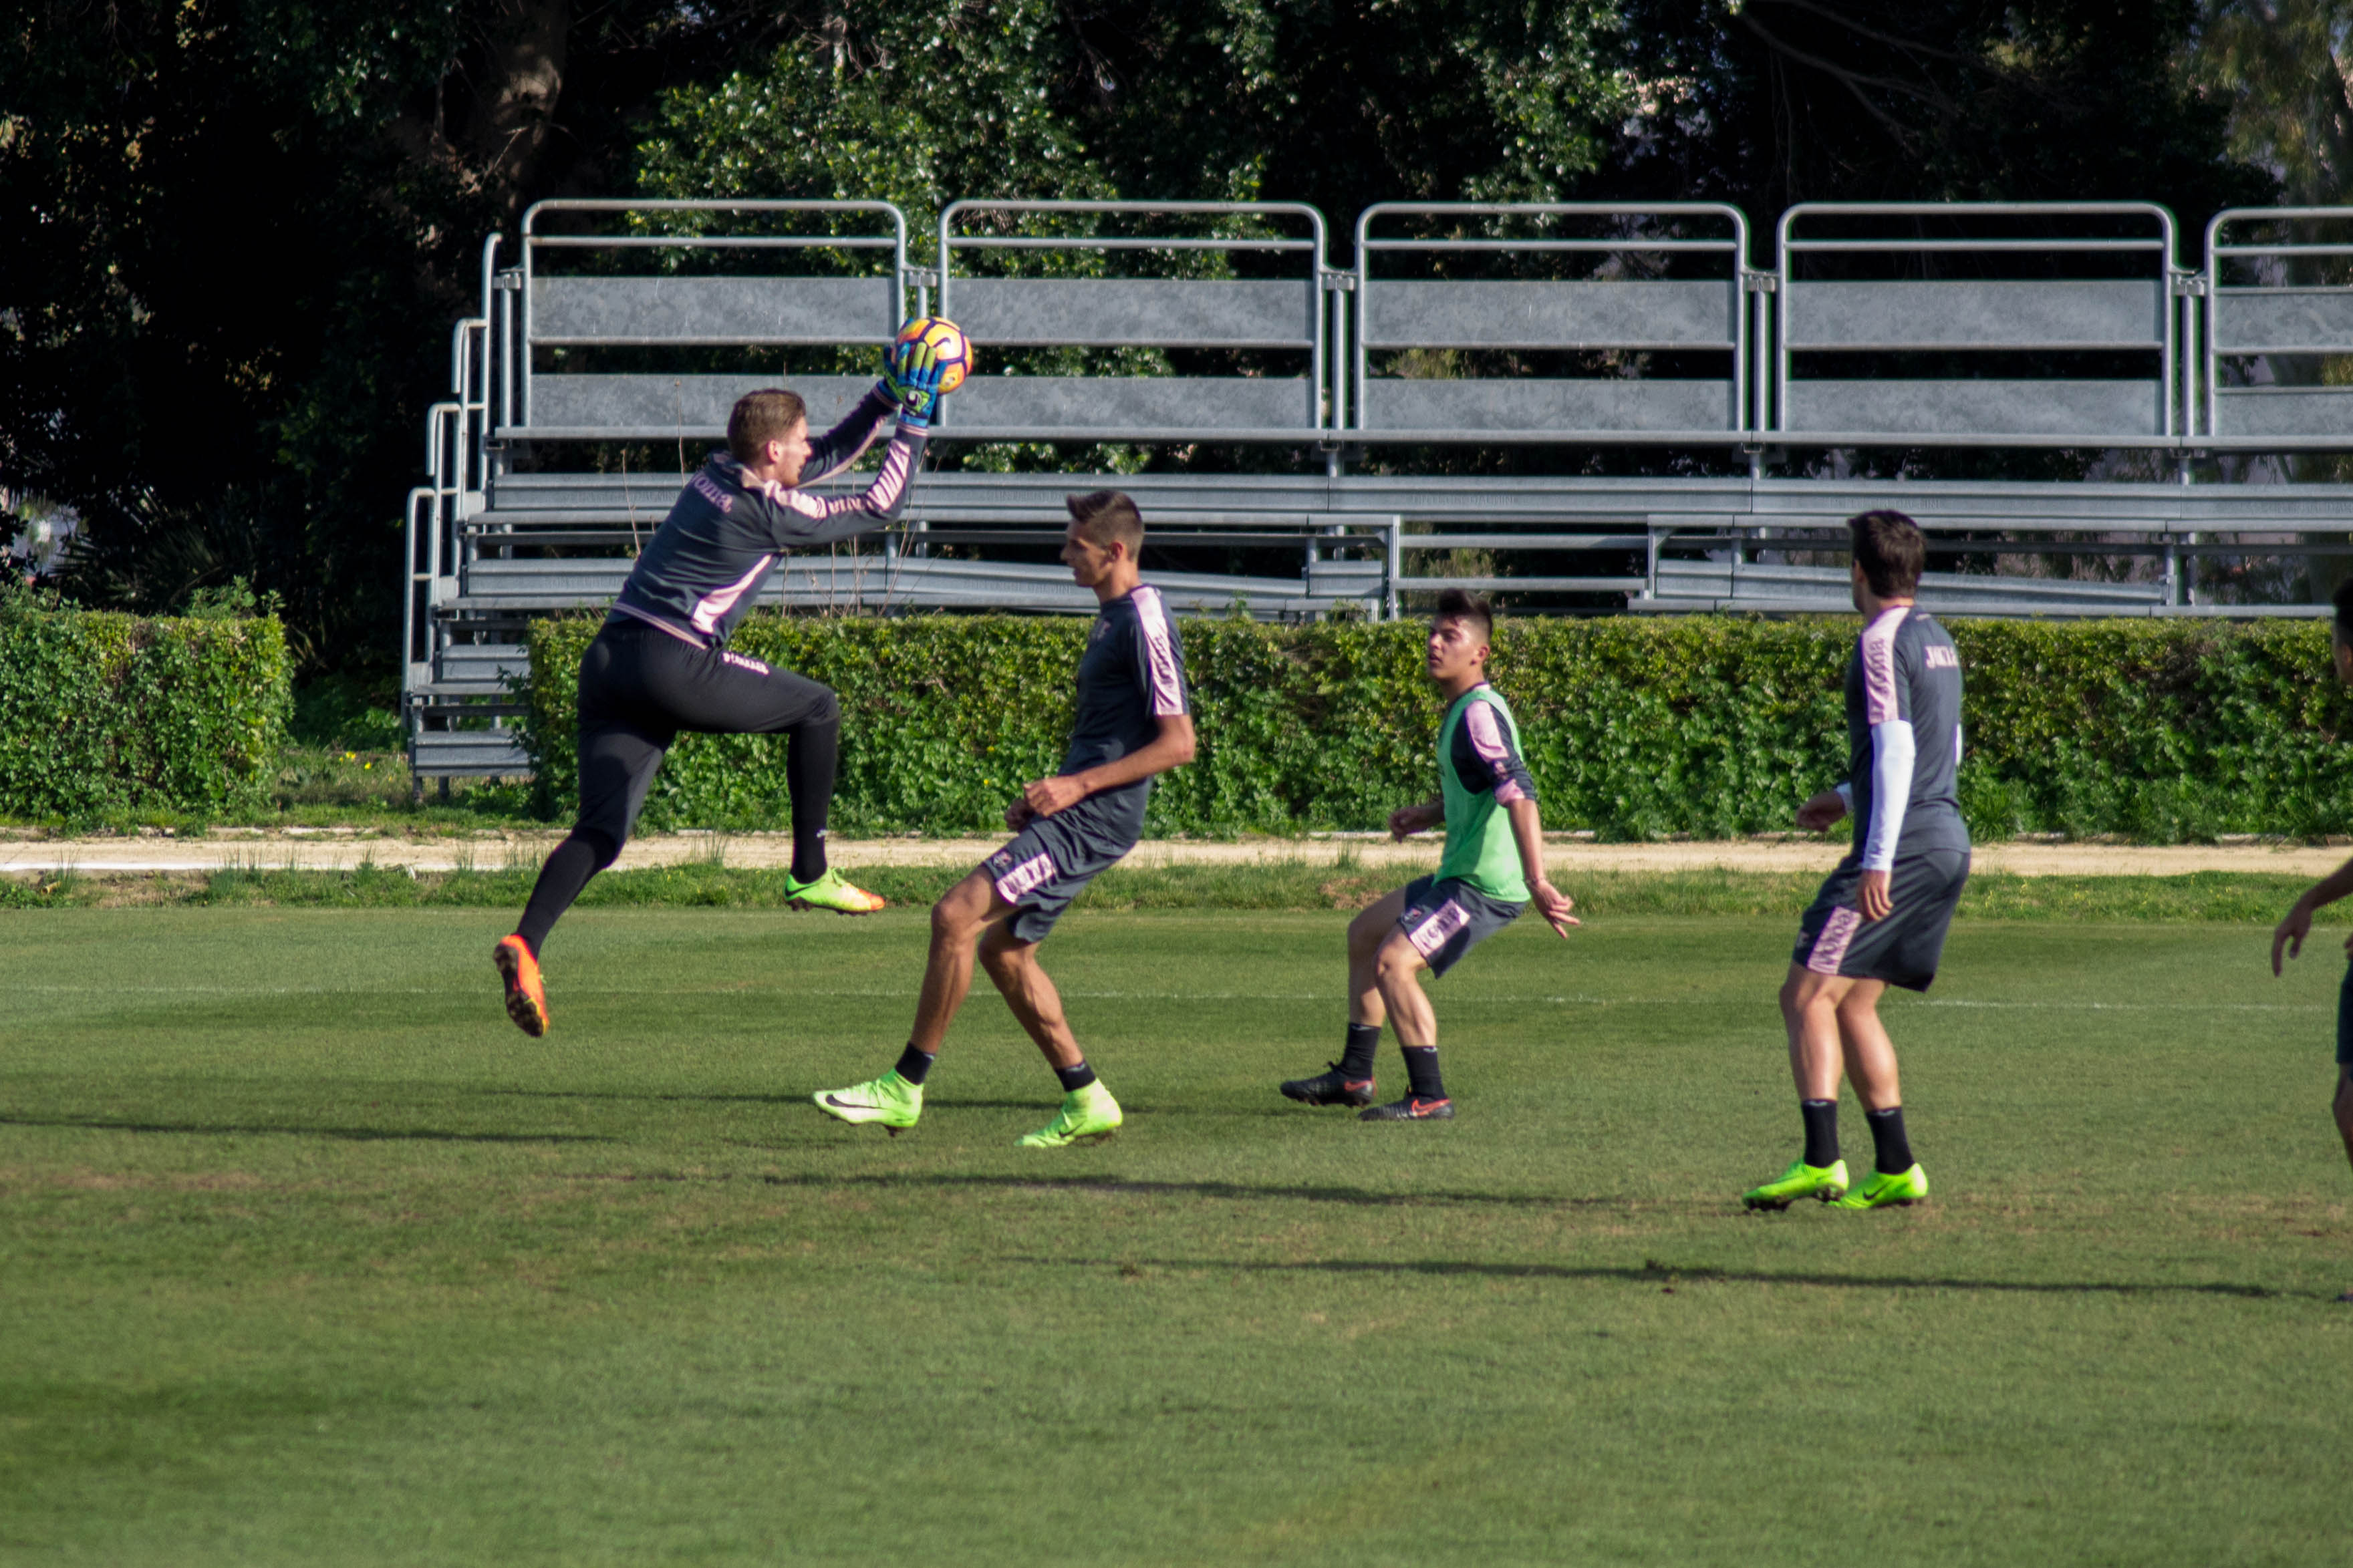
1159 654
1487 741
1829 947
1879 666
712 607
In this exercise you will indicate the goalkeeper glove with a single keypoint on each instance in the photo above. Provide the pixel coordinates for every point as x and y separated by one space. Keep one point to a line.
914 375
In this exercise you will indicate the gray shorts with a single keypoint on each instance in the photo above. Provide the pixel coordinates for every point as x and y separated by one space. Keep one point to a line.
1051 861
1902 950
1446 919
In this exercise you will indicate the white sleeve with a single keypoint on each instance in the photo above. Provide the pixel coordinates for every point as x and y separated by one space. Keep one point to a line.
1892 752
1844 790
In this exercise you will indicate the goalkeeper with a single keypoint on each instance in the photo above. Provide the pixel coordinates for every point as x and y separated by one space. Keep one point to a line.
660 664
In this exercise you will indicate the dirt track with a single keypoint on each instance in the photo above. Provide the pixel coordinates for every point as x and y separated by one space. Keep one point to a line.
333 850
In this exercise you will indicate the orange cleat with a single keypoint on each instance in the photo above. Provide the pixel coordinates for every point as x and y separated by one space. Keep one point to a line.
526 997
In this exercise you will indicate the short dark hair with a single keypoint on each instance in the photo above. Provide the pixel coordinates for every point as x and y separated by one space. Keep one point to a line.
1108 517
760 417
2343 599
1891 552
1473 609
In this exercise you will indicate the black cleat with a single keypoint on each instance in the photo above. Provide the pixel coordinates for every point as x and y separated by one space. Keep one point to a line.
1330 1089
1413 1107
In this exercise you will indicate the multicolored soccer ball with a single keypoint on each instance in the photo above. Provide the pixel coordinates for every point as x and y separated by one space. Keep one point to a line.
951 350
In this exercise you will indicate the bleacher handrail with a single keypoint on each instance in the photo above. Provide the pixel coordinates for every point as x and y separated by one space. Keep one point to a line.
2208 393
1349 390
1788 245
532 242
1315 339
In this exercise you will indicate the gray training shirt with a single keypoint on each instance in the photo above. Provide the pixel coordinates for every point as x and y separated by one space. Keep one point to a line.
1904 739
1131 676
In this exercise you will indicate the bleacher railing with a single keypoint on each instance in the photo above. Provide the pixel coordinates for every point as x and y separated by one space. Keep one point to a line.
2002 312
1624 306
1171 310
2276 311
595 310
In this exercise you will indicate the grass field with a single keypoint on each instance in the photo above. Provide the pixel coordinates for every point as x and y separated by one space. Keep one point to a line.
307 1257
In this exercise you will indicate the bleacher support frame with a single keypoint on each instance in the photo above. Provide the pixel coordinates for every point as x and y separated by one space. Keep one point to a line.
501 531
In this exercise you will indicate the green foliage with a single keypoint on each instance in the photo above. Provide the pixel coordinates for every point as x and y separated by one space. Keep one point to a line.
103 712
2157 731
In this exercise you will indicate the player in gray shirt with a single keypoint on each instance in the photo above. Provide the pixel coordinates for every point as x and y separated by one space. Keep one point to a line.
1133 721
1880 919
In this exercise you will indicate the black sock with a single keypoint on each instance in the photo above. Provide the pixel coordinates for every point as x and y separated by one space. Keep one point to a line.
812 756
580 857
1821 1132
915 1064
1887 1134
1421 1072
1075 1079
1356 1058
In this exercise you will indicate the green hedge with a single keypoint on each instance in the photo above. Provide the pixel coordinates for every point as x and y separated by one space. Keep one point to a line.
102 714
2157 729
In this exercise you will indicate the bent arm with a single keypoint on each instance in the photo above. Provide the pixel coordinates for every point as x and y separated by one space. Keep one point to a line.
804 521
843 444
1527 832
1172 748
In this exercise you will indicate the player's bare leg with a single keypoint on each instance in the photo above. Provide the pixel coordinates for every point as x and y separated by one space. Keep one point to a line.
1811 1013
1373 926
1030 992
1349 1080
963 913
1870 1055
1089 1113
1396 981
895 1100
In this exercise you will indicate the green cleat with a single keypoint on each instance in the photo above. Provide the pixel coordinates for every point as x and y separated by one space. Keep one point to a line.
1882 1189
1825 1183
889 1100
1089 1115
830 892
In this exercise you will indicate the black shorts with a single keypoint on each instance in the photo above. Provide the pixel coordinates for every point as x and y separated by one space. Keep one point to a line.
1902 950
1051 861
1446 919
640 686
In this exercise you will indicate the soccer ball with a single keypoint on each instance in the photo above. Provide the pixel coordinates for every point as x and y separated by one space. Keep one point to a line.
949 349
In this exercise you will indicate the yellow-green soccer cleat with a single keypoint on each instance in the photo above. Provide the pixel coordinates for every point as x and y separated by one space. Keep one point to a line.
1089 1115
830 892
1826 1184
889 1100
1883 1190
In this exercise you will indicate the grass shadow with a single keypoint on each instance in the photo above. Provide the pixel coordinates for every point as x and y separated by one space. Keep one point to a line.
1652 1272
349 1134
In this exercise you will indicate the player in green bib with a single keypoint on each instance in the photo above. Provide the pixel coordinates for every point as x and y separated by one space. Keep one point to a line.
1493 868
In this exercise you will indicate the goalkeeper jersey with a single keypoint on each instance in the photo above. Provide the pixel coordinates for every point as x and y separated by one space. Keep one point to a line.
701 571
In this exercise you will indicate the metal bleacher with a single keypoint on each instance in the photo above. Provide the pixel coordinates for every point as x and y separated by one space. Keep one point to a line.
614 337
